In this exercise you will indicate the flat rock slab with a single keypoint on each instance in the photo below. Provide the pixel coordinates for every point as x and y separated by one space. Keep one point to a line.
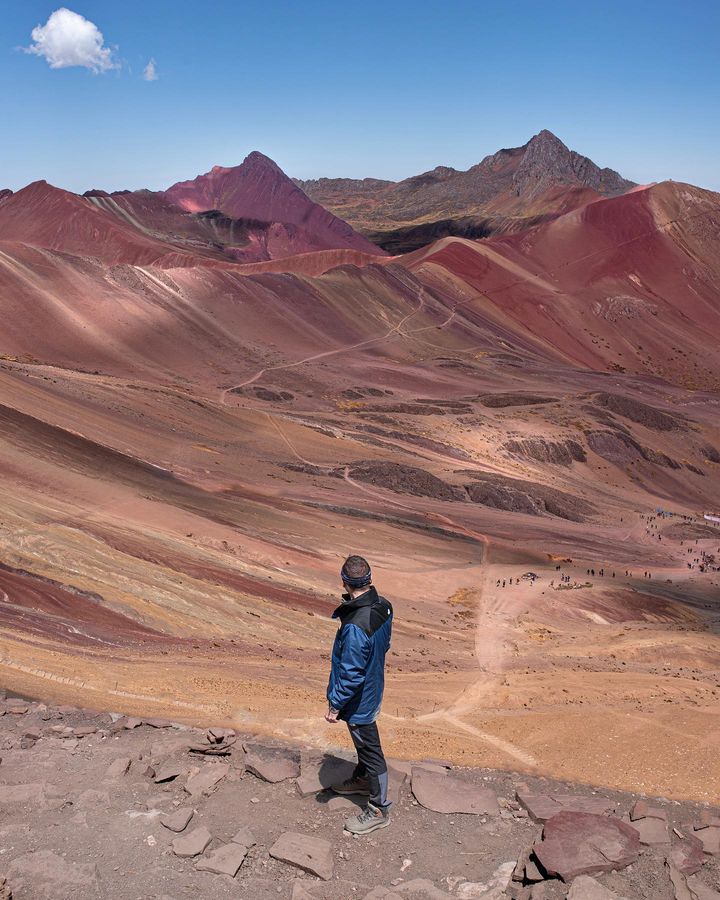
542 807
226 860
193 843
320 773
312 854
446 794
576 843
699 890
653 829
709 835
687 854
84 731
680 889
169 772
272 768
179 820
118 767
586 888
206 780
244 836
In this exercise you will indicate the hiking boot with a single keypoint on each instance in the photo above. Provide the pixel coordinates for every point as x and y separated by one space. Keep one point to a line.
370 819
352 786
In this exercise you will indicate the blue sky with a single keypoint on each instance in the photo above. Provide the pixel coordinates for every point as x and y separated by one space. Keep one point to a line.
377 89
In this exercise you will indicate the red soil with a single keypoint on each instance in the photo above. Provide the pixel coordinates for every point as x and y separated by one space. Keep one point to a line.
31 604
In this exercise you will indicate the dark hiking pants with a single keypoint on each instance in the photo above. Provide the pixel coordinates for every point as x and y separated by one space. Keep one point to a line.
371 762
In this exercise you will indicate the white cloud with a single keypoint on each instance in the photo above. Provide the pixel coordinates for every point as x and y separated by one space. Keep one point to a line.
69 39
150 71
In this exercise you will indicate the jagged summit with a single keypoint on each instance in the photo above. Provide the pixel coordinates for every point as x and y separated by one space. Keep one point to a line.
506 191
547 162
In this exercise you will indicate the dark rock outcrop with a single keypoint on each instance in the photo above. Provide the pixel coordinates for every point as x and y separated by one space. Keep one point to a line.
404 480
515 495
562 453
499 401
619 448
639 412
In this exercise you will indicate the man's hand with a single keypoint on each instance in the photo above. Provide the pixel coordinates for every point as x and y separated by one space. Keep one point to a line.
332 714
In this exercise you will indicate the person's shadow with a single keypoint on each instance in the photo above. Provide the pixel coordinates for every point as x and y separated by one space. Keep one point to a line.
335 770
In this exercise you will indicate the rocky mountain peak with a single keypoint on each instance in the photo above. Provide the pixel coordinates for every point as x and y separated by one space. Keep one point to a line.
547 162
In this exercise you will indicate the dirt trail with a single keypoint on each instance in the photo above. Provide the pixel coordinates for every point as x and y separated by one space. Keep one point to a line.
396 329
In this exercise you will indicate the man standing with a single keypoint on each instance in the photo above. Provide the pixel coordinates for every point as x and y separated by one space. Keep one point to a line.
355 689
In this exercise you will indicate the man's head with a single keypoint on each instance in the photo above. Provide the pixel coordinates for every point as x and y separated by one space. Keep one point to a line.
356 574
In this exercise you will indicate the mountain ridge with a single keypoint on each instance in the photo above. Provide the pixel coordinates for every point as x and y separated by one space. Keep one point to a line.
509 190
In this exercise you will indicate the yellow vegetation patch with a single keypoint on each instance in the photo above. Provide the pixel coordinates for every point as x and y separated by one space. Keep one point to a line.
347 405
463 597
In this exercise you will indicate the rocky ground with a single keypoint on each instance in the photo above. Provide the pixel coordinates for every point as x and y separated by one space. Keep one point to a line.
102 805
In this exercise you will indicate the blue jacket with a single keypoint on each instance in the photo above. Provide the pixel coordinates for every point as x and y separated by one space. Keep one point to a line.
357 676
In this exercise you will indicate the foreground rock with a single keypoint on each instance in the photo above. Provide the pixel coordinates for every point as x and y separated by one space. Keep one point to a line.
118 768
445 794
226 860
707 831
178 820
542 807
274 768
65 803
244 836
311 854
650 822
690 888
585 844
193 843
206 780
687 855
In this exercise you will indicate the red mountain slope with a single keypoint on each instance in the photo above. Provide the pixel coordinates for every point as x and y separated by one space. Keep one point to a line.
212 233
45 216
627 284
259 189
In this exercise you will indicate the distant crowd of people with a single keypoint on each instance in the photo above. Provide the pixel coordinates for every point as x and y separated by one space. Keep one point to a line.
704 561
